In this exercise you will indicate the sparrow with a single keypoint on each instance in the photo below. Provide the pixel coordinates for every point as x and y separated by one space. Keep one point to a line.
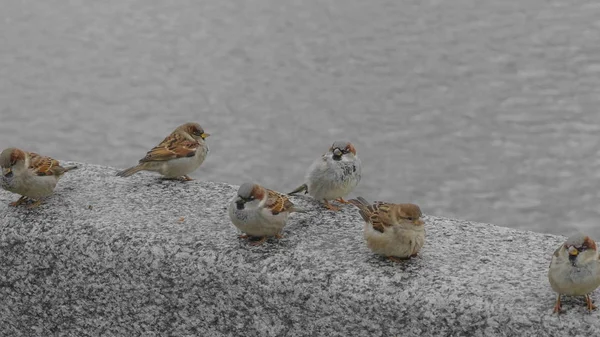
392 230
29 174
333 176
260 212
575 269
178 155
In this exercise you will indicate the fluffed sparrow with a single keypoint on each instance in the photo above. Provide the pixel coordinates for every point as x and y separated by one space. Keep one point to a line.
575 269
178 155
334 175
29 174
392 230
260 212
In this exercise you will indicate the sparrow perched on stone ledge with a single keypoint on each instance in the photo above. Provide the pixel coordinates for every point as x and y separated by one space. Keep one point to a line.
260 212
178 155
392 230
575 269
334 175
29 174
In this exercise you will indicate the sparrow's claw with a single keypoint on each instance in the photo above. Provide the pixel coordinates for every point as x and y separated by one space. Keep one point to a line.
186 178
341 200
557 308
243 236
588 301
330 206
35 204
18 202
279 236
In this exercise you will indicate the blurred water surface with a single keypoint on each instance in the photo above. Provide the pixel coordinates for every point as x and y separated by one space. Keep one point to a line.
474 109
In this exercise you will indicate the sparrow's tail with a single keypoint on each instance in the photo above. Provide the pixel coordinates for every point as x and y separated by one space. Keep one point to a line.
300 188
363 207
69 168
130 171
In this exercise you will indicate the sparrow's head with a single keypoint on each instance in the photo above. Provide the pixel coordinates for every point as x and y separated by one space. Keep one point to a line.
340 149
581 249
409 215
249 193
194 130
9 158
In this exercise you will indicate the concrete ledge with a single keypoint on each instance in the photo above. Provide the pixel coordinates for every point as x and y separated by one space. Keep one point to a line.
127 257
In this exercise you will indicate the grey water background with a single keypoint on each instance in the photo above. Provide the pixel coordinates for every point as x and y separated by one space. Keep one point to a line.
474 109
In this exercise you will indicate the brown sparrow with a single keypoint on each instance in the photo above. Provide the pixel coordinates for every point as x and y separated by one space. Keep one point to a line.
392 230
260 212
334 175
30 175
575 269
181 153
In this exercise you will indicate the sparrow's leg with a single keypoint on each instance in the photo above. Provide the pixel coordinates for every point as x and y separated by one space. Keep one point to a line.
35 204
279 236
557 305
18 202
259 241
330 206
243 236
589 303
341 200
186 178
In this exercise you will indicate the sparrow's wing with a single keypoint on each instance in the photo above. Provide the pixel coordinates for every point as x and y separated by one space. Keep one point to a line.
556 254
44 166
380 215
278 202
173 147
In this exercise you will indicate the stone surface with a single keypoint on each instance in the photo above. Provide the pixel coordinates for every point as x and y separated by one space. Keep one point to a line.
109 256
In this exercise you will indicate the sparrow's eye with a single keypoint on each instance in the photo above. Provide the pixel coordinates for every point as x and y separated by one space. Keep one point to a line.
198 132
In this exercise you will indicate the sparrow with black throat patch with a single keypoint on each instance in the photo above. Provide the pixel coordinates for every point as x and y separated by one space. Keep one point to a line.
333 175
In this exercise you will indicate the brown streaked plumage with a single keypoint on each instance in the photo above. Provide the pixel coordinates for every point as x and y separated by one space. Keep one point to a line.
29 174
278 202
260 212
171 148
383 214
46 166
180 153
393 230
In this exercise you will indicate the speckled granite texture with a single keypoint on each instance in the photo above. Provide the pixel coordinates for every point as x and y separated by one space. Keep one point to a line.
108 256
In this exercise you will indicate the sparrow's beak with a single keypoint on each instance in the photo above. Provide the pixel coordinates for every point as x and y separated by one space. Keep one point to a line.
6 171
573 252
205 135
419 222
337 154
240 203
